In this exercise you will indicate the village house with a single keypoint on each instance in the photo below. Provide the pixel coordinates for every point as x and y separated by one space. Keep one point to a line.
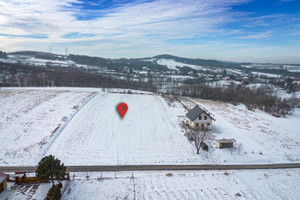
245 79
173 72
198 118
190 73
219 76
296 85
227 78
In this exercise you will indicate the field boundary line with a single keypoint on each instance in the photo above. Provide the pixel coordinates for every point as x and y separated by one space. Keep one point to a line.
60 130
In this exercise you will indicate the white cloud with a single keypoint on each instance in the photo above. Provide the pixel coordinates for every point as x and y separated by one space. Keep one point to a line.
56 18
130 30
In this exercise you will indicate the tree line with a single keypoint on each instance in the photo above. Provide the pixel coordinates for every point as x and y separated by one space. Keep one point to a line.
260 98
20 75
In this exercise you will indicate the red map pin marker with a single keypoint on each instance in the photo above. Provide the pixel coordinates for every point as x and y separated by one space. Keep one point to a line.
122 107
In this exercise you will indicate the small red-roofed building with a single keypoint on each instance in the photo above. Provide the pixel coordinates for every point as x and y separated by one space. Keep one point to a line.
297 85
3 181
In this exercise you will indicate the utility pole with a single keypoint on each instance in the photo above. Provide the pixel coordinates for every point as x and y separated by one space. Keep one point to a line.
67 54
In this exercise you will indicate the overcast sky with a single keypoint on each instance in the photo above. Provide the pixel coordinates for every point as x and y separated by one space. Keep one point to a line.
232 30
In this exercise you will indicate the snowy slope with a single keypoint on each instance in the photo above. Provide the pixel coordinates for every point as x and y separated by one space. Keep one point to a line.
29 119
264 138
172 64
149 133
266 74
81 126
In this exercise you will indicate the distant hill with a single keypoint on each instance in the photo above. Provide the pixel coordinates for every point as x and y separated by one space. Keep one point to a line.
153 63
38 54
198 61
137 63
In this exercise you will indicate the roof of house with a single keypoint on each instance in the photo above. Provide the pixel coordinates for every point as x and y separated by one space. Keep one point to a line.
195 112
3 177
224 141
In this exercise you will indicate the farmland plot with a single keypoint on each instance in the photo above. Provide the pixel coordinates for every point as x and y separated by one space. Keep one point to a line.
149 133
257 184
29 119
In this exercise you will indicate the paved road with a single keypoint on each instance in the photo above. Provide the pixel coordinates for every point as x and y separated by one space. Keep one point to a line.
101 168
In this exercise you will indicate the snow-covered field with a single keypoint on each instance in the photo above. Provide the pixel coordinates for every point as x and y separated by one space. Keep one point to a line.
259 184
244 184
172 64
31 60
149 133
262 137
30 118
266 74
81 126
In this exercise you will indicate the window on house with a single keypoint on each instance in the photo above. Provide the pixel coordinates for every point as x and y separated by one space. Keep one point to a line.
200 117
197 124
205 117
208 124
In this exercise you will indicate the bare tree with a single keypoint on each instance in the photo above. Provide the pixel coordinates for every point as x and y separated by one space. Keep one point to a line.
239 147
198 137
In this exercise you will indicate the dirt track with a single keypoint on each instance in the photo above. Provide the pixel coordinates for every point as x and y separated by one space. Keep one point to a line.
100 168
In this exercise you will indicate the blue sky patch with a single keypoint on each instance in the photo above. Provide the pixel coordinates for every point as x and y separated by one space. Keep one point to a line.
33 36
91 9
76 35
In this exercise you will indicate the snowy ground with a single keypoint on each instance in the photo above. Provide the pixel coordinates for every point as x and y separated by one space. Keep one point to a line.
27 191
244 184
257 184
264 138
149 133
30 118
172 64
81 126
267 74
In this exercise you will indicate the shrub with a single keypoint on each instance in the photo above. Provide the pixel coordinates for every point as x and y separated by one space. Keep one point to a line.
169 174
238 194
226 173
54 192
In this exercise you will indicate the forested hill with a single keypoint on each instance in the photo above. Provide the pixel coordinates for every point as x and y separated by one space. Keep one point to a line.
160 63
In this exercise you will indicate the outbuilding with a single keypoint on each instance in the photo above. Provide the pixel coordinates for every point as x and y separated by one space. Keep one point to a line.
3 181
225 143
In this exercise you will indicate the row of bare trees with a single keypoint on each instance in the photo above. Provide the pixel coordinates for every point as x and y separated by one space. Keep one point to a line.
24 75
262 98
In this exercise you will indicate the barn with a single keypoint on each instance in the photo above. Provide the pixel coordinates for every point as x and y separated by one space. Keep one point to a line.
199 118
3 181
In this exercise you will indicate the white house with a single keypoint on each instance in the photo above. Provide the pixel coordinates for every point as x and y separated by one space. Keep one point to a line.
198 118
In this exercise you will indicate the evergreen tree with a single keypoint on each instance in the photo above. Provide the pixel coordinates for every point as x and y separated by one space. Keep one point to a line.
50 167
